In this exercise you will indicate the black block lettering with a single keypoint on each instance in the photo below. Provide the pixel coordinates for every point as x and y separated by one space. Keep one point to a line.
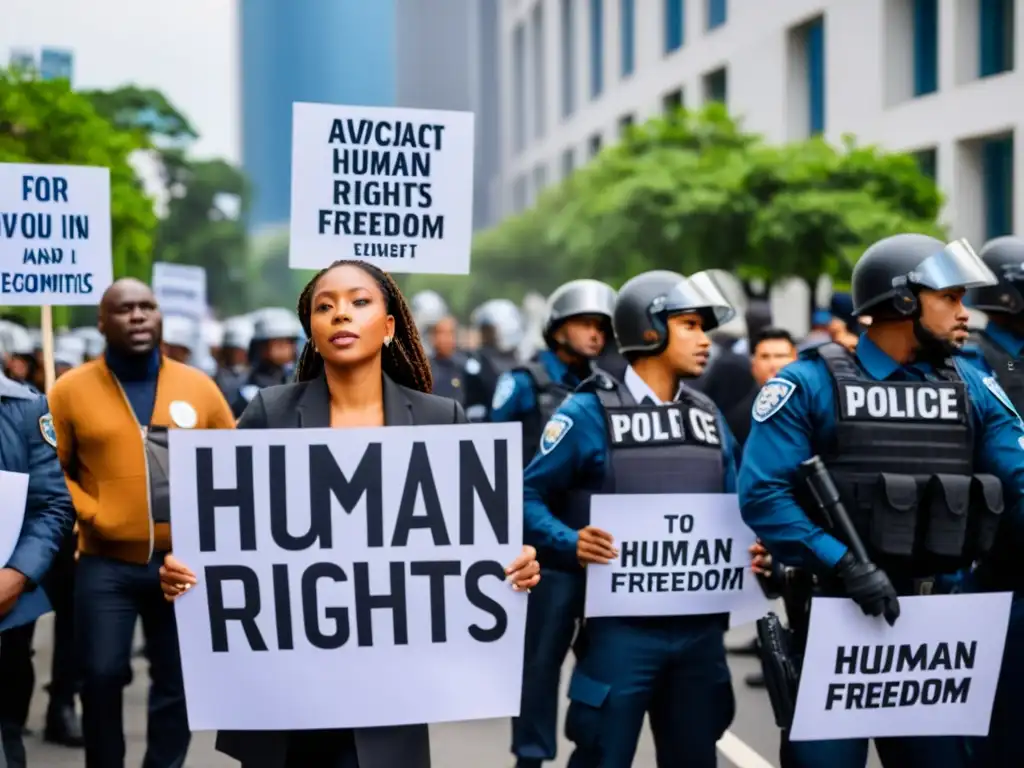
311 607
436 571
283 608
220 615
473 483
210 499
327 481
395 602
420 479
474 574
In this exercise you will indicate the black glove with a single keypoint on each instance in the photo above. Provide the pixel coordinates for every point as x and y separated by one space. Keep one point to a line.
869 587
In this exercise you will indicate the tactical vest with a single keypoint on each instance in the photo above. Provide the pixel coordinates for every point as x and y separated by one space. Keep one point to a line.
1009 371
671 448
903 462
548 394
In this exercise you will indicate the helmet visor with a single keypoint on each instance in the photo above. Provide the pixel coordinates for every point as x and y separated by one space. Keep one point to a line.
698 293
956 265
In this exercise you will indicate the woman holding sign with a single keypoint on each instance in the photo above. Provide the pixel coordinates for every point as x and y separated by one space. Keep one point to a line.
363 366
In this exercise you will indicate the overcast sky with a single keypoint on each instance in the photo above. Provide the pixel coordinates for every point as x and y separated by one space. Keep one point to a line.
188 49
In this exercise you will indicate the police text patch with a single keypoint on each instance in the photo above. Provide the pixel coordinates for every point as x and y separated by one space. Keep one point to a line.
557 428
671 424
902 401
47 430
504 391
771 398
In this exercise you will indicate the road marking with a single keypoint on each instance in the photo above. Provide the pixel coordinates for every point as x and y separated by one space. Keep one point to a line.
739 754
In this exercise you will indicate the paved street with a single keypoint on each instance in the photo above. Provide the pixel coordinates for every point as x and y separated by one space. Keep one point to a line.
754 741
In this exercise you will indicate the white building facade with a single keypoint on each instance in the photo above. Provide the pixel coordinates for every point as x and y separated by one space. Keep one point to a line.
940 78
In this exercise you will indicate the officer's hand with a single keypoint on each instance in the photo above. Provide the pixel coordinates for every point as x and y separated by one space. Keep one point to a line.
760 559
12 584
869 587
524 573
595 546
175 578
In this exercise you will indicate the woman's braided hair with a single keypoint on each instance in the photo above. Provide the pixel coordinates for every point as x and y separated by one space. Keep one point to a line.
403 360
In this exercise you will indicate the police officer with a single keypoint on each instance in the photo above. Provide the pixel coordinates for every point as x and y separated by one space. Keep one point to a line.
900 422
577 327
672 667
501 331
447 364
233 361
20 364
272 352
177 337
428 309
28 445
94 341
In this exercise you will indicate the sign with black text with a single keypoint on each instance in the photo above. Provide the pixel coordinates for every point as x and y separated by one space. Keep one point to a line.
348 578
679 555
180 289
387 185
55 244
933 673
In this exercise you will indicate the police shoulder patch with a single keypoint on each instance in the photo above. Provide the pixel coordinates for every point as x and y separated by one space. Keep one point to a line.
47 430
503 391
557 428
472 366
1000 393
771 398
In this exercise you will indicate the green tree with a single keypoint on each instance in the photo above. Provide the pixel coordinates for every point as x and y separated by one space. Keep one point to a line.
46 122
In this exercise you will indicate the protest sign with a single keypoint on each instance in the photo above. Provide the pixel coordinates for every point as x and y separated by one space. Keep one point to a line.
55 243
348 578
679 554
180 289
390 186
932 674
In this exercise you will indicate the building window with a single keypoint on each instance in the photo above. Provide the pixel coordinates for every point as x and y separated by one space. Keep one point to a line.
537 39
926 46
596 48
568 162
716 86
672 101
519 88
519 194
625 123
540 180
675 24
568 59
816 76
627 28
594 144
718 11
995 24
928 161
997 170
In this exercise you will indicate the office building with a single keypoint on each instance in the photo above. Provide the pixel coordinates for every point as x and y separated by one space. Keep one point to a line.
432 54
939 78
56 64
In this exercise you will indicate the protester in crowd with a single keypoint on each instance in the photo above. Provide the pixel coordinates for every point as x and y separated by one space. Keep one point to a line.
111 416
772 350
362 366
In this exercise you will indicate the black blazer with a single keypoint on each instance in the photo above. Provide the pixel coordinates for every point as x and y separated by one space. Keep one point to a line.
308 405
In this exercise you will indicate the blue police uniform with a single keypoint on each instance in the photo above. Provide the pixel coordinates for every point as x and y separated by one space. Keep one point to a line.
672 667
530 395
795 417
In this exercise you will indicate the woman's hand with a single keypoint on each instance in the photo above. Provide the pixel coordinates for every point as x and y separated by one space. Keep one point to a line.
175 578
524 572
760 559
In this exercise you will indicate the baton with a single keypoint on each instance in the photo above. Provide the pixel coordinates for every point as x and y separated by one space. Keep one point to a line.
827 496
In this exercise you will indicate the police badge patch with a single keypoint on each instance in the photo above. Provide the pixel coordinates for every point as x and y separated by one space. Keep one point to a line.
1001 396
504 391
771 398
47 430
555 430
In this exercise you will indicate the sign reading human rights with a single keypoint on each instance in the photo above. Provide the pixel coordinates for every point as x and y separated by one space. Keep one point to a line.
679 554
390 186
933 673
55 245
333 561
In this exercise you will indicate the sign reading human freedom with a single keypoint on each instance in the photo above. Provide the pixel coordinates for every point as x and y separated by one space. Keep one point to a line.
180 289
348 578
679 555
925 676
54 234
390 186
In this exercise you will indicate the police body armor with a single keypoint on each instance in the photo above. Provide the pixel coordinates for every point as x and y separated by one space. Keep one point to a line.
483 369
903 462
671 448
549 394
1009 371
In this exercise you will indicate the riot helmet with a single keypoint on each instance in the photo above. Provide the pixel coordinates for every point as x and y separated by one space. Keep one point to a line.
428 309
94 341
238 332
1005 257
502 320
69 351
579 298
889 274
276 323
647 301
212 333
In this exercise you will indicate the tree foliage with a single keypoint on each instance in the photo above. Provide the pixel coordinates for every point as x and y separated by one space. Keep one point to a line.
691 191
46 122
